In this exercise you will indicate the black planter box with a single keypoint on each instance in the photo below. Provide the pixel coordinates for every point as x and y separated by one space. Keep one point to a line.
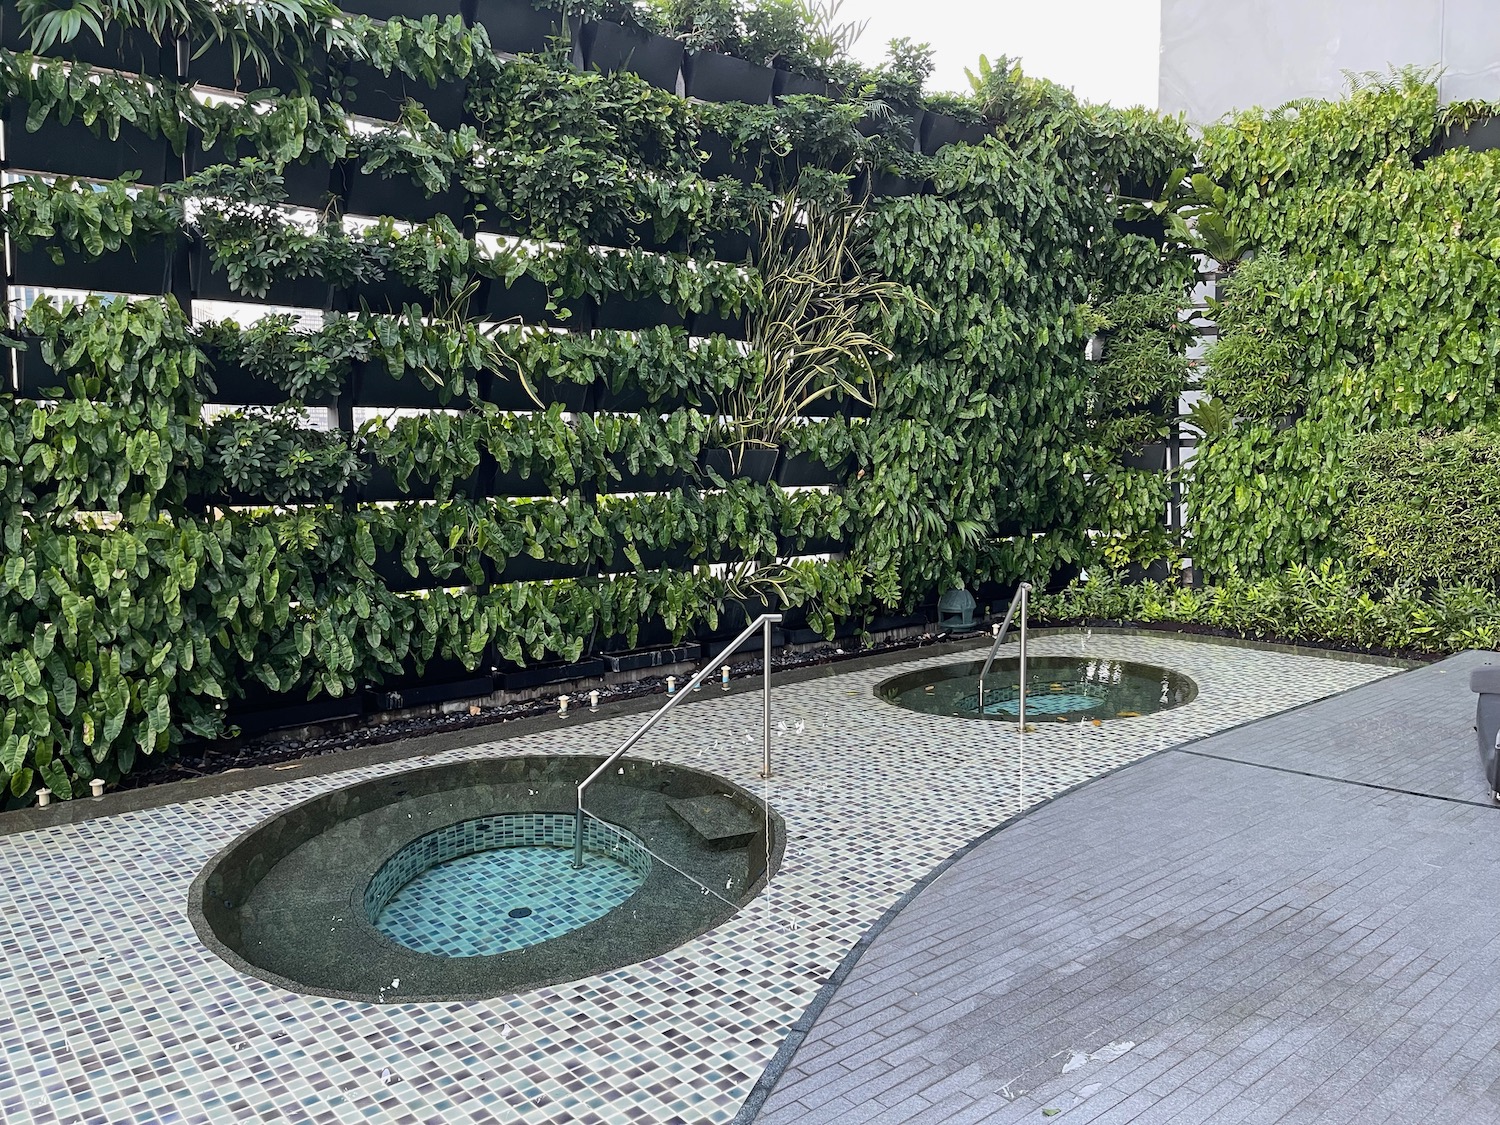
215 68
789 546
1135 187
543 674
752 646
733 245
638 660
830 406
628 235
509 394
756 464
524 301
1062 577
782 172
239 386
842 631
149 269
939 129
509 482
613 311
389 295
374 385
890 622
719 158
610 47
633 400
888 185
428 695
1135 573
381 485
74 150
713 322
382 96
391 9
389 568
34 375
1151 457
713 77
296 711
398 197
307 184
524 568
789 83
659 480
652 558
516 27
651 633
1153 227
801 470
1481 136
209 284
129 50
902 126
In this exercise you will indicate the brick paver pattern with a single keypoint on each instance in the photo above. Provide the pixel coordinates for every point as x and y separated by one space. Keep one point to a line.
1295 922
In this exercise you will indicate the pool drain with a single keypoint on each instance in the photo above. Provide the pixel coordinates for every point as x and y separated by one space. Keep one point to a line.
520 912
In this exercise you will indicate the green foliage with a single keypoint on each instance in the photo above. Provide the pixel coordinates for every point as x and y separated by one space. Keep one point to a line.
1423 509
1367 306
1323 605
273 456
967 308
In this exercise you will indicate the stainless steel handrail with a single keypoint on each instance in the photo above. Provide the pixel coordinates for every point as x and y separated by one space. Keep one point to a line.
1022 597
763 622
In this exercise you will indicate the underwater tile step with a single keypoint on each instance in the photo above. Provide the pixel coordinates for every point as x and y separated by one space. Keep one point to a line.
722 824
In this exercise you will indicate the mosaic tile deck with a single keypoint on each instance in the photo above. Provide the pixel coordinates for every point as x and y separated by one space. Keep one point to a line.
110 1010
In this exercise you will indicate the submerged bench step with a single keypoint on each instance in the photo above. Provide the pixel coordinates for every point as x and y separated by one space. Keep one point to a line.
722 823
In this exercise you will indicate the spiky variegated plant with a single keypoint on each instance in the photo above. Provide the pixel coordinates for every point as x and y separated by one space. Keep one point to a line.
807 335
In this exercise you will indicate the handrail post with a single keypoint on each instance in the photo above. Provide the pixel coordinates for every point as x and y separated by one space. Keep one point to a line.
1025 598
1018 599
765 706
765 621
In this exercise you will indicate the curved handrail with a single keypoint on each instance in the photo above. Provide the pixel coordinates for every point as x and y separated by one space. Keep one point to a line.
763 622
1022 596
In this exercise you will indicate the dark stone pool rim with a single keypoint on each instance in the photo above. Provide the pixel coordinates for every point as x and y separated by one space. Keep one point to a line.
1040 669
317 938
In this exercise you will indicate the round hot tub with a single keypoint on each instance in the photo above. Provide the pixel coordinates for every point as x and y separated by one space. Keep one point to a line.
457 881
1058 689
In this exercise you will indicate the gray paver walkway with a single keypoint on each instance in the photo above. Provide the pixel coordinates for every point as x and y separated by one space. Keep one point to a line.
1201 939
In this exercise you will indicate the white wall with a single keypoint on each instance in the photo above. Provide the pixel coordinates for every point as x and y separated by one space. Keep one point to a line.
1225 56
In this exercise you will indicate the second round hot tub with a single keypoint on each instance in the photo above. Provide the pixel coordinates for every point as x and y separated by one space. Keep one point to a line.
1058 689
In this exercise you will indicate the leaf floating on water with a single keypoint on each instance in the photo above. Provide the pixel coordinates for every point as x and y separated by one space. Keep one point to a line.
1051 1111
1127 714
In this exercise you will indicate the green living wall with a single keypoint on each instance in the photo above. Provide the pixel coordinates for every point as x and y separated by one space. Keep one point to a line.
572 474
1370 302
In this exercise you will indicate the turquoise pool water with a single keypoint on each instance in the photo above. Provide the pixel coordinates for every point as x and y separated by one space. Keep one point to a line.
499 883
1058 689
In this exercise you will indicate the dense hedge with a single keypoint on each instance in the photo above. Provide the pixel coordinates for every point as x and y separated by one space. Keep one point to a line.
1324 605
1423 508
151 586
1372 302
